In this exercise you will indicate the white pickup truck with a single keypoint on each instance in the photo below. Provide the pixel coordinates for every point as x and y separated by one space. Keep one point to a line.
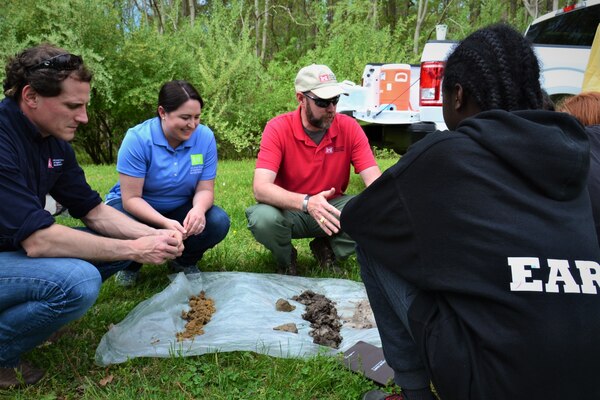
398 103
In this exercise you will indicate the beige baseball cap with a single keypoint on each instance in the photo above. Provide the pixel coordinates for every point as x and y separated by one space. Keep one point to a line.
320 80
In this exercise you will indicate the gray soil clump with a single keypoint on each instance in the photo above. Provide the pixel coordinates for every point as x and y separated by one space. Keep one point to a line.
323 317
362 318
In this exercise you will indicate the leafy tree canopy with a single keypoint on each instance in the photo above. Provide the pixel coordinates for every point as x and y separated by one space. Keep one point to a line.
242 55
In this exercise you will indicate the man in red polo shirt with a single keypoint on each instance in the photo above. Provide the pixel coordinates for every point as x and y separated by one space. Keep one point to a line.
303 170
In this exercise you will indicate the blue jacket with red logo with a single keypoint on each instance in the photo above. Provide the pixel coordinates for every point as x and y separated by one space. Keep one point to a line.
31 167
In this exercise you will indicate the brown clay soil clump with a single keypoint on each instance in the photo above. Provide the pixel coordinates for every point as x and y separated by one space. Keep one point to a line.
290 327
323 316
284 305
201 310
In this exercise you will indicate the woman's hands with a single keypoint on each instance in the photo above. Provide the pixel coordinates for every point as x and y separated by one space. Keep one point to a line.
174 225
194 222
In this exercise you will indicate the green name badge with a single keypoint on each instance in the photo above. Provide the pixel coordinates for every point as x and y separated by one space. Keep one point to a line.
197 159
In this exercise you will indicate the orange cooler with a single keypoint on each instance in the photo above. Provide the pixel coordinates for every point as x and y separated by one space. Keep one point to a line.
394 86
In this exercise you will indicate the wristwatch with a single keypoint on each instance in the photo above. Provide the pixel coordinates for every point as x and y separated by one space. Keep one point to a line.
305 203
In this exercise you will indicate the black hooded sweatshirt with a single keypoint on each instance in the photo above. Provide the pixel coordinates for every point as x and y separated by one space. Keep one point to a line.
493 223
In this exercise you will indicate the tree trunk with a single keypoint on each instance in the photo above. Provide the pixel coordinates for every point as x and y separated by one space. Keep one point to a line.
532 7
392 14
257 26
373 13
475 11
512 10
421 12
192 6
264 32
158 10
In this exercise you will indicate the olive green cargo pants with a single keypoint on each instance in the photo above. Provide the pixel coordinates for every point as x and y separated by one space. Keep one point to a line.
275 228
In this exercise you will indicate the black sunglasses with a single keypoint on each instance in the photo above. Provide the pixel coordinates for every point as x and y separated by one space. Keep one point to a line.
61 62
323 103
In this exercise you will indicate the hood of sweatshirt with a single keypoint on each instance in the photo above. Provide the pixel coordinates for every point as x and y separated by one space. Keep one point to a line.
551 150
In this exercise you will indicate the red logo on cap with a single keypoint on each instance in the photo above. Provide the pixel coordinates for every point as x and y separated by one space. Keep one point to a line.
324 78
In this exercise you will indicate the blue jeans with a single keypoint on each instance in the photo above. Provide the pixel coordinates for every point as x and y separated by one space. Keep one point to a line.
391 297
38 296
217 227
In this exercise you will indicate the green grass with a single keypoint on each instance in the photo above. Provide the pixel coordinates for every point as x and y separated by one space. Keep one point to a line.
72 374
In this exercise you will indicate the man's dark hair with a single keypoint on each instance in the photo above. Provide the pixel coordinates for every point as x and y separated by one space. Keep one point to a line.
174 93
25 69
497 69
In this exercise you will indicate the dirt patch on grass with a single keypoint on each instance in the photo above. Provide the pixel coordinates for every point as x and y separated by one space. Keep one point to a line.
323 317
201 310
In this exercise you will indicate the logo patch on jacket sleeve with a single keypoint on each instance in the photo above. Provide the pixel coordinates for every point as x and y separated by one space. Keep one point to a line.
55 162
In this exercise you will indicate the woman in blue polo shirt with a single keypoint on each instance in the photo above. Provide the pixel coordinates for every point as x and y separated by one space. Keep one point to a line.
167 167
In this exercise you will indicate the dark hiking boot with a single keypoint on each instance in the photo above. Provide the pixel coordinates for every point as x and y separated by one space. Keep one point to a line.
379 395
23 374
324 255
126 278
291 269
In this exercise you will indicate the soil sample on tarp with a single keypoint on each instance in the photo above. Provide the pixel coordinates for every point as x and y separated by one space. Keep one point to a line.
200 312
323 317
284 305
362 318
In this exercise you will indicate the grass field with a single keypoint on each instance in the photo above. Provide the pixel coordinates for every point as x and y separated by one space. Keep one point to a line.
72 374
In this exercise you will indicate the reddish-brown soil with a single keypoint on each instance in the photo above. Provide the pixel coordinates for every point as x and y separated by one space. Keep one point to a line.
201 311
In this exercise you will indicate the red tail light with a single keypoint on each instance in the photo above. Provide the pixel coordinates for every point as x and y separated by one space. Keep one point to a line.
431 83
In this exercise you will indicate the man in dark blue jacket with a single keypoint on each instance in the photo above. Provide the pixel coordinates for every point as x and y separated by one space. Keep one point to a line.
50 274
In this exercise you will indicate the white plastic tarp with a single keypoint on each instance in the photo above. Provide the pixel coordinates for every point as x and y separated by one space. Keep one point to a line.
244 318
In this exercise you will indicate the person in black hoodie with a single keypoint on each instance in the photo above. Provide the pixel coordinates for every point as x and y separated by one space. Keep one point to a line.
478 249
586 108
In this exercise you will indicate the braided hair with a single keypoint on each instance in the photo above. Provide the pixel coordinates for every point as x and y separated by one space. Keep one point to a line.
497 69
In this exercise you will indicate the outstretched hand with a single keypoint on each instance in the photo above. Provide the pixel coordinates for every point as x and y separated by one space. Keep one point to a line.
326 215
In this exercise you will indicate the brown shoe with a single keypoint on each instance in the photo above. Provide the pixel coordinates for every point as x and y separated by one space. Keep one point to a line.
324 255
22 375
